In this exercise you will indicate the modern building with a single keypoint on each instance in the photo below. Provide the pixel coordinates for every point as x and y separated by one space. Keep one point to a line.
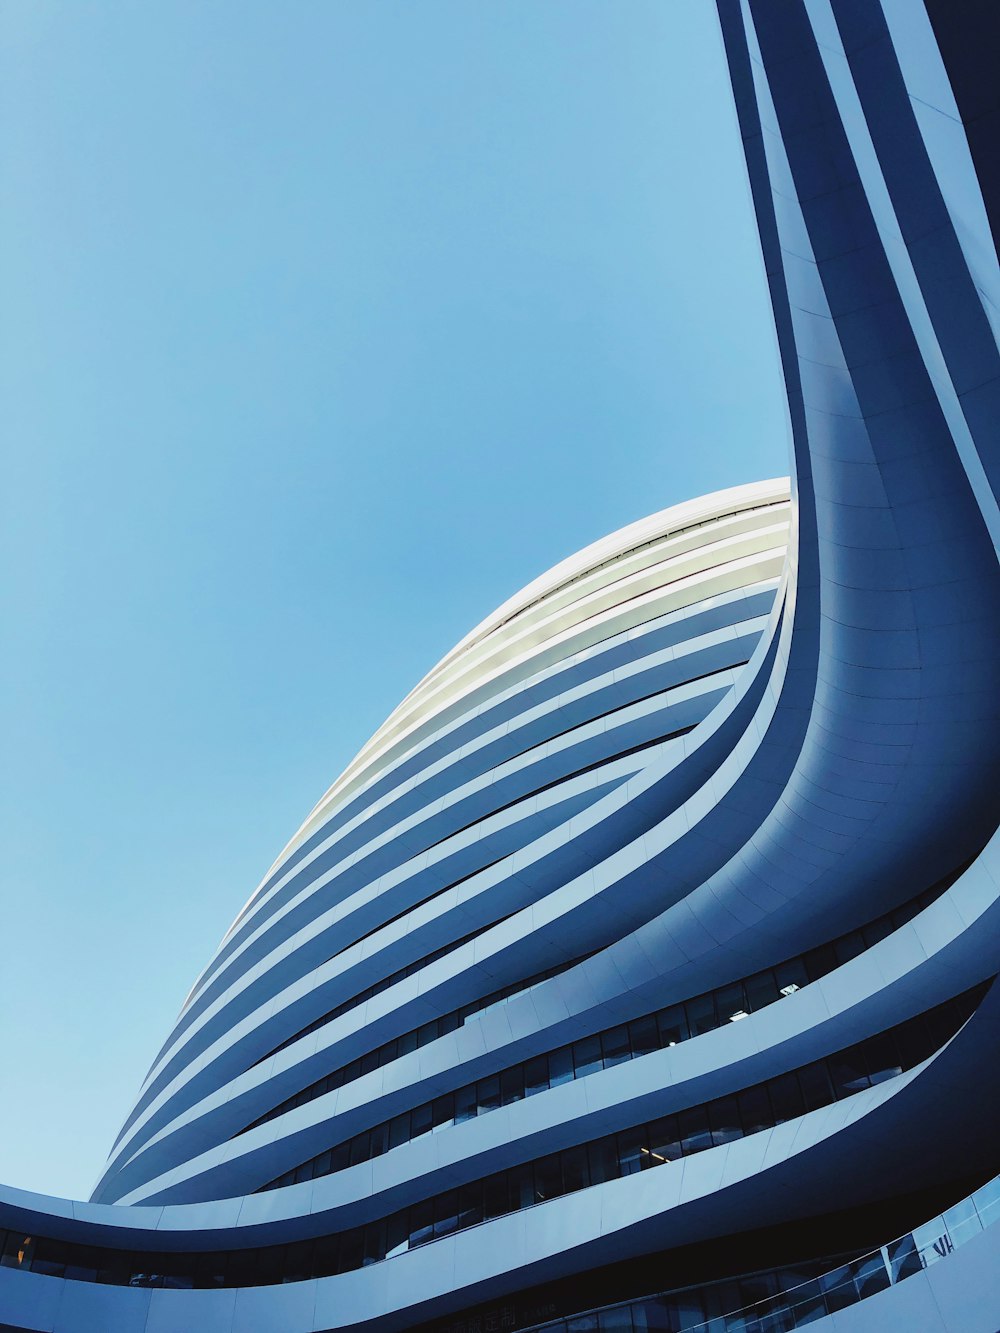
638 973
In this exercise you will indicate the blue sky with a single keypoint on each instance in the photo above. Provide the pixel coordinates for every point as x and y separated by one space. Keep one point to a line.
326 326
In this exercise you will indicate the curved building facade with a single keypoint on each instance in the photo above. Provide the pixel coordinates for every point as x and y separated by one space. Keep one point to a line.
638 973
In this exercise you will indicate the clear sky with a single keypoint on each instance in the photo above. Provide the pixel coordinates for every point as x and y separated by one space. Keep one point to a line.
326 326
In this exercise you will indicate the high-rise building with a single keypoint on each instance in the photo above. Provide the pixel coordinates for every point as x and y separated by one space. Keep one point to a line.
638 973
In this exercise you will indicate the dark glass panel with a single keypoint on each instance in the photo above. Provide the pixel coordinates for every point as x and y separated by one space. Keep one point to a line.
881 1057
50 1257
548 1178
445 1213
421 1120
849 946
466 1106
488 1094
731 1003
421 1223
692 1126
536 1075
615 1047
633 1146
379 1141
786 1098
427 1033
616 1320
300 1262
876 932
470 1204
914 1043
819 962
817 1090
496 1196
511 1085
587 1058
701 1014
848 1071
791 976
724 1120
520 1182
643 1035
443 1111
447 1023
761 990
326 1254
369 1062
340 1157
673 1025
575 1169
359 1147
664 1140
561 1066
603 1158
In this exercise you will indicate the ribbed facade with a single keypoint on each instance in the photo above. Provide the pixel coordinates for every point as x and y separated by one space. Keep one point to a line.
639 969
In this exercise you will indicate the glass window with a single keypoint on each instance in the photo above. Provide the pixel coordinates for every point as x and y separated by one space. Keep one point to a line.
615 1047
421 1223
488 1094
340 1157
881 1057
786 1098
447 1023
761 990
445 1213
817 1090
603 1158
495 1196
731 1003
427 1033
405 1044
819 962
520 1183
369 1062
443 1111
664 1141
587 1058
692 1126
548 1178
470 1204
421 1120
561 1066
791 976
374 1243
397 1238
673 1025
323 1161
536 1075
913 1042
617 1320
633 1146
575 1169
877 931
511 1085
848 1071
643 1035
724 1120
359 1147
849 946
399 1130
701 1014
466 1106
